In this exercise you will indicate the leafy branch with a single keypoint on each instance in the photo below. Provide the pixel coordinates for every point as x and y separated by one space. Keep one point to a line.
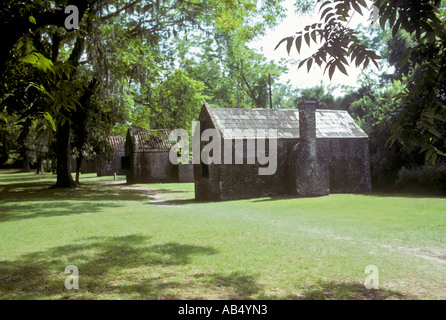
337 41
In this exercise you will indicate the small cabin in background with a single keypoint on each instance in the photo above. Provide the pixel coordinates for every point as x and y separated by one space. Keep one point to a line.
147 158
109 164
88 164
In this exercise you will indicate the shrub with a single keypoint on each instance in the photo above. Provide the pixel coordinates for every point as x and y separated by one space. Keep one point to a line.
428 179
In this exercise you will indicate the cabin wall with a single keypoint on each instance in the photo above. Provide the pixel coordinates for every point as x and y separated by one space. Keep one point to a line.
349 165
151 167
108 165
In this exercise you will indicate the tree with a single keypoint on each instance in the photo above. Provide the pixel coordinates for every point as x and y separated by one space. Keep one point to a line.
9 148
129 47
82 125
55 94
421 114
175 103
234 74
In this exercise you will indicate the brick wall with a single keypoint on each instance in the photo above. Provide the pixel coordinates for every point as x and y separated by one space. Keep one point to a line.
108 165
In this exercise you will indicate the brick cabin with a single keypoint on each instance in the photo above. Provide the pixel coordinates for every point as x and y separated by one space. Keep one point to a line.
147 158
318 152
109 164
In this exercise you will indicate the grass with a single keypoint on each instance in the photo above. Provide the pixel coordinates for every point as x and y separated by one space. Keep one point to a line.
155 242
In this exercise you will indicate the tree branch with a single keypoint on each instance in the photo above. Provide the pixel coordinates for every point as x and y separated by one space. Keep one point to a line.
16 27
114 14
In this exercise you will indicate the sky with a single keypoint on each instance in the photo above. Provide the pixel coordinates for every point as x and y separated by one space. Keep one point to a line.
301 78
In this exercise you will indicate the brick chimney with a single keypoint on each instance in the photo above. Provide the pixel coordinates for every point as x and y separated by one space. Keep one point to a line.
312 178
307 121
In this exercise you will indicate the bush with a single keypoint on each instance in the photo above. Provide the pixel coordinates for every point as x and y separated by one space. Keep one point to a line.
428 179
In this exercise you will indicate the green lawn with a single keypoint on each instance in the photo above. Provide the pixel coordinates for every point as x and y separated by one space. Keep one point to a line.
155 242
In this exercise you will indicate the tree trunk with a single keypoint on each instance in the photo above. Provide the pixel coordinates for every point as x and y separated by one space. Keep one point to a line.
25 161
78 167
64 177
63 134
39 166
23 148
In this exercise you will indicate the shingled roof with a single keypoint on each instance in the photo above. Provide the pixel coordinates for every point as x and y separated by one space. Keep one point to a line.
329 123
149 140
117 143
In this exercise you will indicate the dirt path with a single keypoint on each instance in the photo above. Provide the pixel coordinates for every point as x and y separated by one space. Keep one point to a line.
153 196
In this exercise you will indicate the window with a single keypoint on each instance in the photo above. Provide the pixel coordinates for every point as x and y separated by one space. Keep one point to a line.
204 170
125 163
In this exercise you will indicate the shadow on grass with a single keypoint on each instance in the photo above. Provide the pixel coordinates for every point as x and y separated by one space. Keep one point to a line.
174 202
136 268
167 191
32 200
202 286
348 291
274 198
107 265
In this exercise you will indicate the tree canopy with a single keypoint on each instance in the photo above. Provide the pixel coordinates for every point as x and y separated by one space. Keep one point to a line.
420 115
140 63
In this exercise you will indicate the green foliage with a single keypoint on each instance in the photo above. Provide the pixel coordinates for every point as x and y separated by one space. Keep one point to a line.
142 54
206 39
375 107
234 74
421 115
175 103
320 94
12 142
9 148
38 60
284 96
372 106
37 141
430 179
303 6
38 88
337 41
